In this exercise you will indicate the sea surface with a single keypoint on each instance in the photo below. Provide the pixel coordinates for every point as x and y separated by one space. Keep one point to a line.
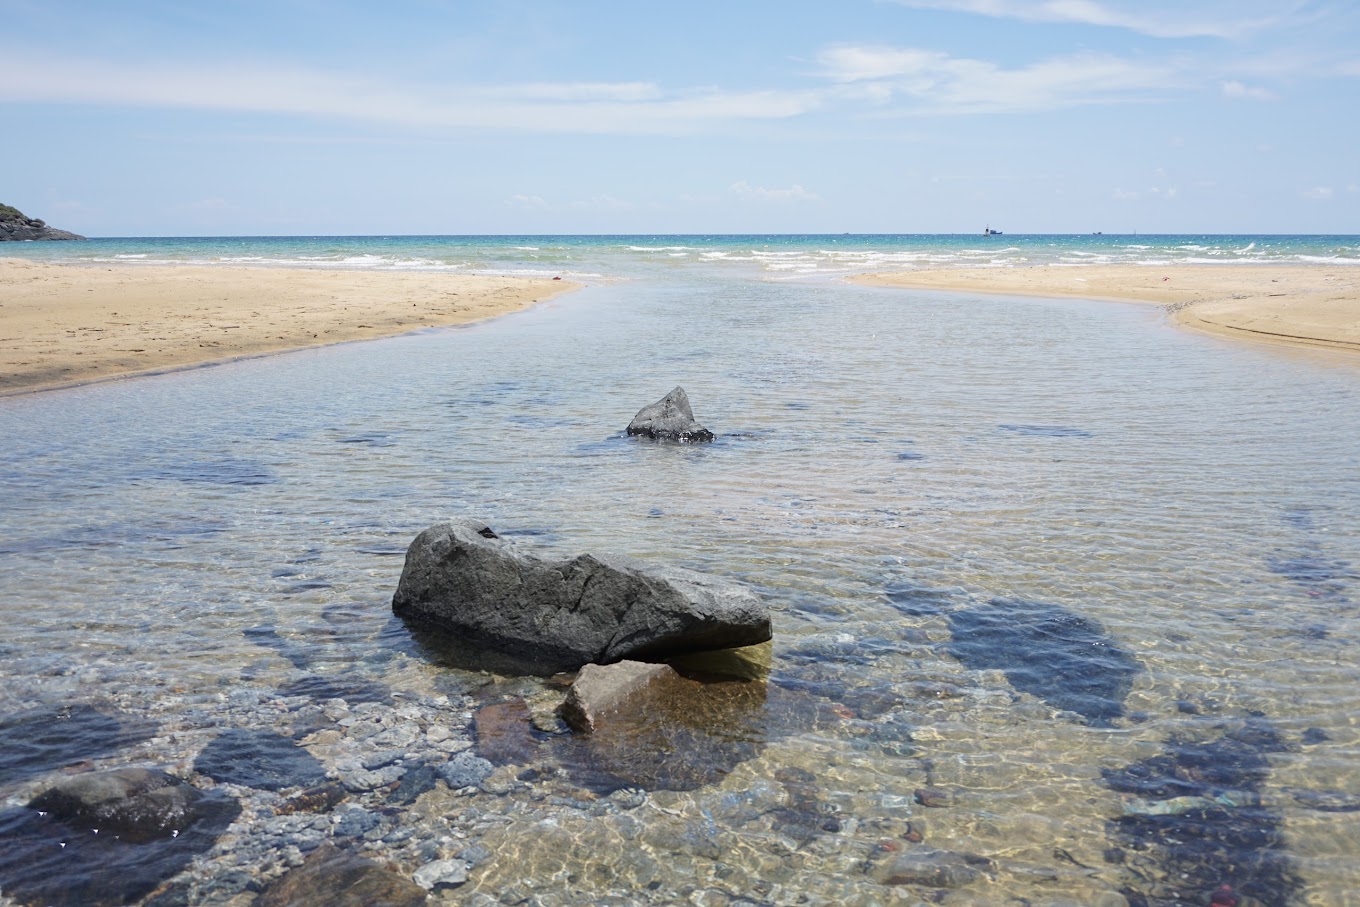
1064 597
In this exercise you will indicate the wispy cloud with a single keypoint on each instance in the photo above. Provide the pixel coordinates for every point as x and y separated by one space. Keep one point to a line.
1319 193
940 83
794 193
582 107
1237 90
1141 17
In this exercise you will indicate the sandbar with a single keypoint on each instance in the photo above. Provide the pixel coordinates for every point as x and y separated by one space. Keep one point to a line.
1303 305
68 324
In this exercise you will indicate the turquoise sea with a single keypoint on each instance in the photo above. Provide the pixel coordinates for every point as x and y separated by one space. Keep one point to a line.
773 255
1065 597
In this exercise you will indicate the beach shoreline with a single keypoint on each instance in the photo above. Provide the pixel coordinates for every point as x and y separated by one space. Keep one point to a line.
70 324
1294 305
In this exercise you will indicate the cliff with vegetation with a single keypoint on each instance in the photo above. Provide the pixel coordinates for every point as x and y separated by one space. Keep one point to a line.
14 225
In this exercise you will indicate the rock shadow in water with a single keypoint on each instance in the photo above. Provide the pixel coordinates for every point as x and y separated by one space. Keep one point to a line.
1045 650
42 740
229 471
260 759
1047 431
320 688
1195 822
47 862
1320 576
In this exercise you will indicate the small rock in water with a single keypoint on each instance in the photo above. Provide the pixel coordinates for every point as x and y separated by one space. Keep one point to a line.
934 869
441 874
335 878
603 688
259 759
933 798
669 419
465 770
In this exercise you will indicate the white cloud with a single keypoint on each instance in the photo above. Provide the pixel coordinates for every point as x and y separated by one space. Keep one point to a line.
1350 68
939 83
1141 17
1319 193
581 107
527 201
794 193
601 203
1237 90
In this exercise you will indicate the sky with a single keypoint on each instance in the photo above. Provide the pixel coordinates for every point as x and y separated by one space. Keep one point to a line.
304 117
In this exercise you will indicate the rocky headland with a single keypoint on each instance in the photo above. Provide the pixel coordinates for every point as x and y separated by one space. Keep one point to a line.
15 225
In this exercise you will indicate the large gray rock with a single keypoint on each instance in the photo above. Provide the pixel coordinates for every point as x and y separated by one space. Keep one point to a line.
554 617
15 226
669 419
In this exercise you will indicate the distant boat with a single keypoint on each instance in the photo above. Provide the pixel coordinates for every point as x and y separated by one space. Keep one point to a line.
990 232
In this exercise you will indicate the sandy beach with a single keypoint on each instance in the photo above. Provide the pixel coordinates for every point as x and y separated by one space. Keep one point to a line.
71 324
1309 305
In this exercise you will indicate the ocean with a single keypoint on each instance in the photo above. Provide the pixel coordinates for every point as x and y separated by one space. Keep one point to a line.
1064 597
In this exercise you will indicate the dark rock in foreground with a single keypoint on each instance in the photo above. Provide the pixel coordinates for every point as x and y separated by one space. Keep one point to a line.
339 879
1195 826
15 226
669 419
53 855
555 617
136 804
1066 660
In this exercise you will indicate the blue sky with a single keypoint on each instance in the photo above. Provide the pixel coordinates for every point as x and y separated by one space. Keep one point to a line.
530 116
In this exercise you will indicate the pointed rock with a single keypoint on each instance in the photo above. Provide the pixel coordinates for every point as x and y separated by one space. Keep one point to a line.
669 419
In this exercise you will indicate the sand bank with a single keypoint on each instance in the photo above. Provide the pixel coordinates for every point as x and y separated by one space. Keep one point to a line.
1311 305
70 324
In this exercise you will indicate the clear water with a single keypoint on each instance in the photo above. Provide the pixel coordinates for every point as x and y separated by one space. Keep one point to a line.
889 463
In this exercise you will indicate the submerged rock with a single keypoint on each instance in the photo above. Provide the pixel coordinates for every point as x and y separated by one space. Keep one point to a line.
934 869
669 419
136 804
1195 826
552 617
504 733
603 688
681 734
107 838
338 879
1066 660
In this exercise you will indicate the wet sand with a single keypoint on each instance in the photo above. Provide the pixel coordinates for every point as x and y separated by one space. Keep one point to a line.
1308 305
71 324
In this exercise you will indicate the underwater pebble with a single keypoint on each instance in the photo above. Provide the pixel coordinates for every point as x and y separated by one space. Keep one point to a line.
441 874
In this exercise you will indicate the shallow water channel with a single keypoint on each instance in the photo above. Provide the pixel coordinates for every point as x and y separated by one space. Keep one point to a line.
1065 606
